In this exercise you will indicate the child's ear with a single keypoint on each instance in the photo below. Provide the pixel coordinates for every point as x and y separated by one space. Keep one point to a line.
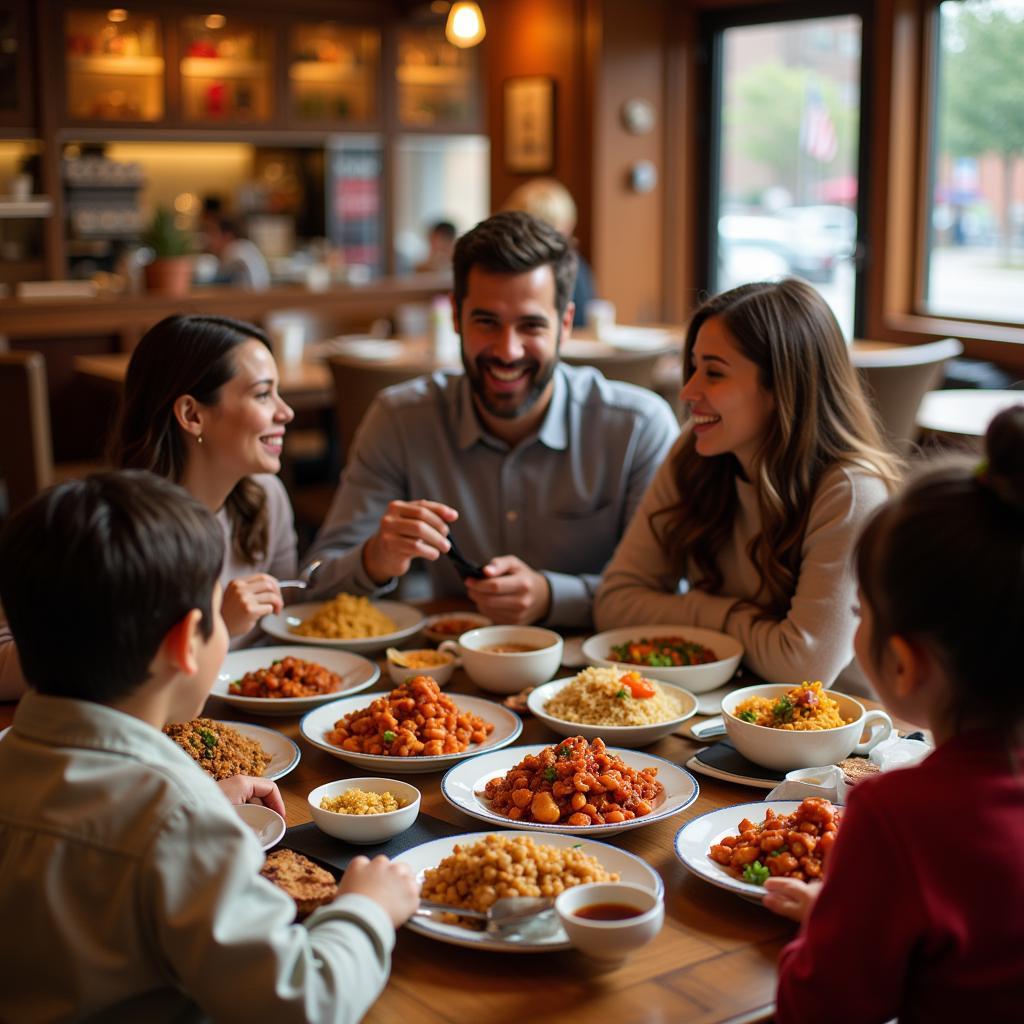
909 665
179 646
189 415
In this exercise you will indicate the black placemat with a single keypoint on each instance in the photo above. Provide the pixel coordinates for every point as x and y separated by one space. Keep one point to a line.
308 839
724 757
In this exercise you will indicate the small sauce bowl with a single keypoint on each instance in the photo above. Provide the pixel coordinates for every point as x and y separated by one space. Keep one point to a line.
610 940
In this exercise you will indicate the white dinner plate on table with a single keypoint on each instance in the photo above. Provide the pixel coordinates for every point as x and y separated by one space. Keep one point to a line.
406 618
697 836
463 787
628 867
613 735
357 673
318 722
284 753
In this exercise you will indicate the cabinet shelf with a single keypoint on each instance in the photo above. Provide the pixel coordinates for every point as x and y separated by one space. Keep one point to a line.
25 209
326 71
222 67
115 65
429 75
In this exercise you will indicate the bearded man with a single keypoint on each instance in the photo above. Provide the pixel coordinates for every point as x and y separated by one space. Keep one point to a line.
532 466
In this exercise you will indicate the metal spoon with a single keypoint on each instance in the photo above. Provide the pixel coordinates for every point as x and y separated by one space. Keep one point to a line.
503 916
304 577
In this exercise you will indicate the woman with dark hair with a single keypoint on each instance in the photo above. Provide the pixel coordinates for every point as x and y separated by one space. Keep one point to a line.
758 505
201 408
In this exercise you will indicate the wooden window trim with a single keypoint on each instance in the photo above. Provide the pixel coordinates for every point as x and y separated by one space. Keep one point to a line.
900 208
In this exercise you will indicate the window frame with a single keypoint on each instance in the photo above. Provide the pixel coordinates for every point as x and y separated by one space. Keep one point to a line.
712 24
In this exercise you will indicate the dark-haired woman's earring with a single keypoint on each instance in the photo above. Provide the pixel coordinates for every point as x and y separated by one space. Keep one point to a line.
199 439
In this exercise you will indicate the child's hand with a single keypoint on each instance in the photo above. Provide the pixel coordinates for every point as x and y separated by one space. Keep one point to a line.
247 599
246 789
393 886
789 897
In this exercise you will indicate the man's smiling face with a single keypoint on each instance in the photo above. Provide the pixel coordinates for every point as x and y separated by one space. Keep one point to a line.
510 332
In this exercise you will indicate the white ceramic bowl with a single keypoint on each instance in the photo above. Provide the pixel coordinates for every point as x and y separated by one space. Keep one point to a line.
509 672
614 735
695 678
441 674
268 825
610 940
433 627
787 749
366 828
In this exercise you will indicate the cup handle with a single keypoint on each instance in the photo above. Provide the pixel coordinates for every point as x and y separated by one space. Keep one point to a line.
879 725
452 647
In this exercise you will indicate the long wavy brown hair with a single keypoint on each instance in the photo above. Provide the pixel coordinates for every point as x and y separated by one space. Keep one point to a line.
821 419
186 355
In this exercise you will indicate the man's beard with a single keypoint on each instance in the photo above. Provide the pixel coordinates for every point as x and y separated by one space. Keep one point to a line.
501 405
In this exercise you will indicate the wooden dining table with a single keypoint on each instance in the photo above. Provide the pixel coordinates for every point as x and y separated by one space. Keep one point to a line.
714 960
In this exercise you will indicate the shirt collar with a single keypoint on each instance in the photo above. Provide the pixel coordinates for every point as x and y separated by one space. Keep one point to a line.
554 429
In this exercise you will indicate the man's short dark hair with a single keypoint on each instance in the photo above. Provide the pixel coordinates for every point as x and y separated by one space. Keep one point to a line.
95 572
444 228
515 243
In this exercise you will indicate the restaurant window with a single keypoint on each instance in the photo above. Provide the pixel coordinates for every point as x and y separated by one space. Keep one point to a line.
437 178
785 151
974 265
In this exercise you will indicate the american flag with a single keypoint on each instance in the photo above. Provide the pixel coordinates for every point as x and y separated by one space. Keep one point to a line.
817 132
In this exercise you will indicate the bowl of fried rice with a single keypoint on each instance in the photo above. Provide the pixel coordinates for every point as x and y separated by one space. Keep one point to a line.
785 727
623 707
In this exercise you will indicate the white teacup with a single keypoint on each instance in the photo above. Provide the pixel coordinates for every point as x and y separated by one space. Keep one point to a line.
506 659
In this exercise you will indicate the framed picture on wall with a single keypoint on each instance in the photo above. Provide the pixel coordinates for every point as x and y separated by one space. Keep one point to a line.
529 109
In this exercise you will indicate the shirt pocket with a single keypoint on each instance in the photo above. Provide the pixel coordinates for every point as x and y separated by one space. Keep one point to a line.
582 541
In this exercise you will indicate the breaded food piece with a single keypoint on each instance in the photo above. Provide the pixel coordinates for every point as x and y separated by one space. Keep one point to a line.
310 885
857 768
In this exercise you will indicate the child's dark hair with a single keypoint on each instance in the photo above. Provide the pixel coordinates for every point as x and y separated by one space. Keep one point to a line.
515 243
943 561
95 572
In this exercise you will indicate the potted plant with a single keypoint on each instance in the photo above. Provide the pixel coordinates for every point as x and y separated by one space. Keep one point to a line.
170 272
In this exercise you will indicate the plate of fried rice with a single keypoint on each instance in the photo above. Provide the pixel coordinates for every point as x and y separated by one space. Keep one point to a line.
623 707
347 621
224 749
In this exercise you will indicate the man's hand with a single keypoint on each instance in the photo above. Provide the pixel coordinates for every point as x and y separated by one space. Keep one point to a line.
511 592
408 530
789 897
392 885
246 789
247 599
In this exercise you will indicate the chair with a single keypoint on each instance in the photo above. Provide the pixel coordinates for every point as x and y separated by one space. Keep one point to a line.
632 367
897 378
26 457
356 384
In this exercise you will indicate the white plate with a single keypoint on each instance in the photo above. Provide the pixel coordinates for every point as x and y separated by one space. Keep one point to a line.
629 868
284 753
462 784
697 836
268 825
696 678
357 673
407 618
477 620
318 722
618 735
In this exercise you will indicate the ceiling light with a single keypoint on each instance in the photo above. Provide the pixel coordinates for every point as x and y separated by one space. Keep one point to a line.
465 26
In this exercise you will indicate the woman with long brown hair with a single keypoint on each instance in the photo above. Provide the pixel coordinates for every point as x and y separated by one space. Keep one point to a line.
202 408
749 524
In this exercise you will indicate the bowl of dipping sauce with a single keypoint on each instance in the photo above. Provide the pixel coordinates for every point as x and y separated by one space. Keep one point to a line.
403 665
370 810
506 659
608 920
